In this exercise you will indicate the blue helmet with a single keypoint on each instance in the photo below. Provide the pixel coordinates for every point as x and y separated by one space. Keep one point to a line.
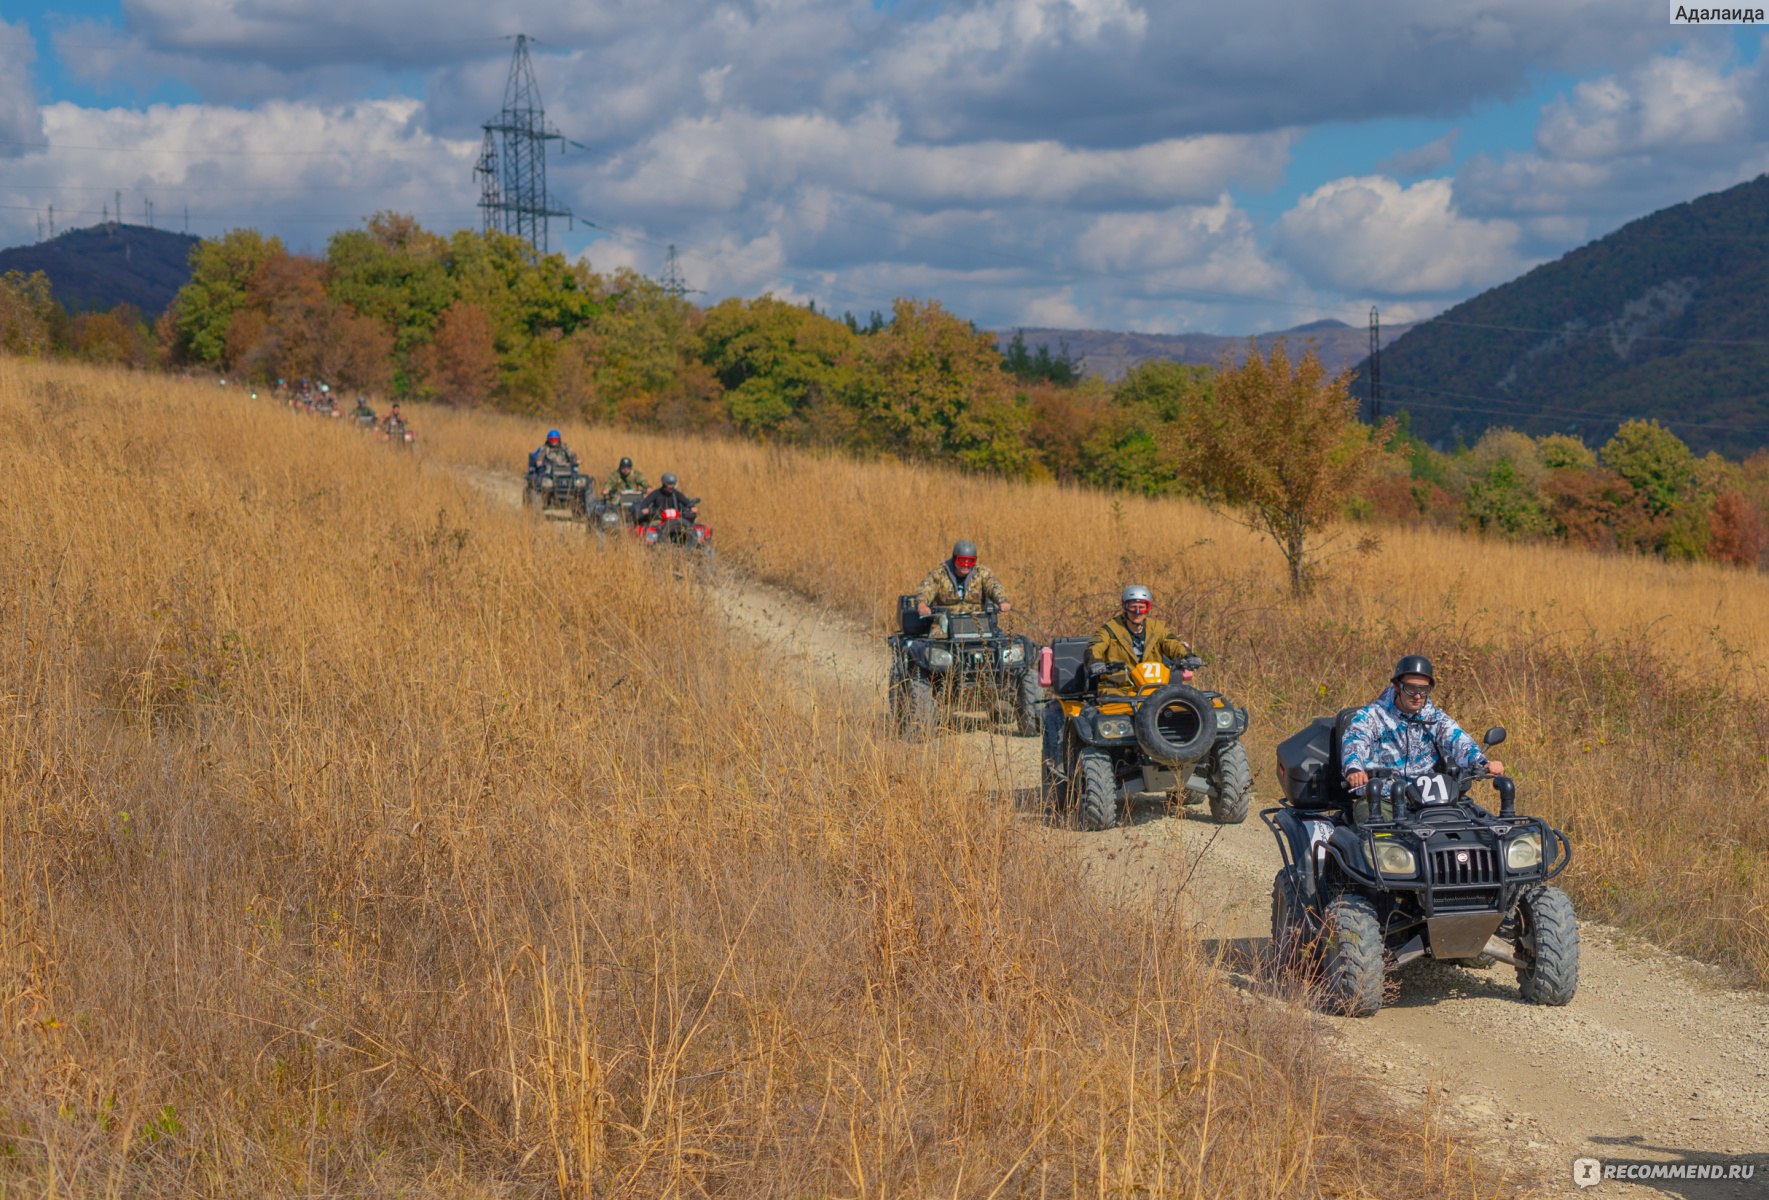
552 435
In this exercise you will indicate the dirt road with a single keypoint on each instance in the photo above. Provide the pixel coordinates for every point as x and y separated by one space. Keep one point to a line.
1655 1060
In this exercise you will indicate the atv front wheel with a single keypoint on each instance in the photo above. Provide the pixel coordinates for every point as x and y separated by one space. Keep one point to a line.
1292 926
912 706
1233 794
1028 705
1351 957
1098 788
1547 940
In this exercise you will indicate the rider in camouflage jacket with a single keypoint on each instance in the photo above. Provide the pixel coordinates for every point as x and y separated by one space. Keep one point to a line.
963 583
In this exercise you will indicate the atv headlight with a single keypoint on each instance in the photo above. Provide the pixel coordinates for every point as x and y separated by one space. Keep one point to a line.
582 482
939 659
1392 858
1114 727
1225 718
1014 653
1524 851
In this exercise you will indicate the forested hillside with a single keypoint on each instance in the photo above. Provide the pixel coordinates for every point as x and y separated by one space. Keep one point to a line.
1663 319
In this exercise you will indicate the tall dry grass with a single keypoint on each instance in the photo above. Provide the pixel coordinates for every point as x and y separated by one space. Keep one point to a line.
361 837
1634 689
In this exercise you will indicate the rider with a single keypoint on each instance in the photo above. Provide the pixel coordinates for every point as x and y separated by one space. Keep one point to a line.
363 412
552 453
395 419
667 496
961 582
1403 732
1131 637
624 479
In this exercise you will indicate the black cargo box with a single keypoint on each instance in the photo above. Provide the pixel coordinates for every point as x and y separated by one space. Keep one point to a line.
1305 765
912 623
1068 666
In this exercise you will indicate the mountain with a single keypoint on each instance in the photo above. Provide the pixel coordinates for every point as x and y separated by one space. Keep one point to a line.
102 266
1664 319
1110 355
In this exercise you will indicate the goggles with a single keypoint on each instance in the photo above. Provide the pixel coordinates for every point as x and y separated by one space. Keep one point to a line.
964 564
1416 691
1138 607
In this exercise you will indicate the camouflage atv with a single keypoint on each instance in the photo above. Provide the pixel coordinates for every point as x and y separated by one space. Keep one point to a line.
1161 737
559 490
958 659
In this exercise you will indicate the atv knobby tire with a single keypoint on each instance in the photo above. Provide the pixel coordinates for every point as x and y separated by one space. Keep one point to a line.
1028 705
1351 957
1161 744
1293 943
913 711
1096 790
1233 795
1548 940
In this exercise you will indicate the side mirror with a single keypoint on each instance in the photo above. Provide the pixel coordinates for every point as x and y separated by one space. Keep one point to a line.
1495 735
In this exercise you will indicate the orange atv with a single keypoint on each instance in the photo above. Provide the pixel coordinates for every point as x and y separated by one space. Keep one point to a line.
1149 734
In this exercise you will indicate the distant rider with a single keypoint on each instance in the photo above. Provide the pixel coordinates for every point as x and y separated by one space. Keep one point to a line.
667 496
364 414
1403 732
552 453
624 479
961 583
395 422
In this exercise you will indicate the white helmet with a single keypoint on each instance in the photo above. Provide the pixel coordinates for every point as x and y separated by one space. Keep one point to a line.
1137 591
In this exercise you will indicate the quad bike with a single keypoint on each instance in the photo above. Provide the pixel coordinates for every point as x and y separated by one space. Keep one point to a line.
676 527
1161 737
960 658
559 490
364 418
616 512
1412 869
400 435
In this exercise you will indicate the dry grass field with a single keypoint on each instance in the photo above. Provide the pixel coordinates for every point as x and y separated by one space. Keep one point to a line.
1634 690
359 836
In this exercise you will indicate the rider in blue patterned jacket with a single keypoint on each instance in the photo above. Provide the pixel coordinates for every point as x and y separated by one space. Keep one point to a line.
1403 732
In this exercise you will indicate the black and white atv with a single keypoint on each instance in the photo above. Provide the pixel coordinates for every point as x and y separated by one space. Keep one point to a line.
1412 869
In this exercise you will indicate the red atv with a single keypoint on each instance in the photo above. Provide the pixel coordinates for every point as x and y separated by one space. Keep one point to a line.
675 527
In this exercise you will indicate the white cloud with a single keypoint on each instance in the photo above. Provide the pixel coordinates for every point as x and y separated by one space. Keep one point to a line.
21 121
293 169
1372 235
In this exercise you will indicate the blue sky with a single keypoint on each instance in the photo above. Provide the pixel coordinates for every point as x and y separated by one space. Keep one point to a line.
1101 163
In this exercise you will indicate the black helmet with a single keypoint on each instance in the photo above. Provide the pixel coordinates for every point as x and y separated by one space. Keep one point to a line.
626 464
964 548
1414 664
669 479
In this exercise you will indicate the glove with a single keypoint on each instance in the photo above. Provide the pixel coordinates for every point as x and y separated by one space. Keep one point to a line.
1096 669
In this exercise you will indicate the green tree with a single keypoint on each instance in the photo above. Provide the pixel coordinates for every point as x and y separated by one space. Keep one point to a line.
1281 442
1655 461
934 388
1502 502
221 270
775 359
394 271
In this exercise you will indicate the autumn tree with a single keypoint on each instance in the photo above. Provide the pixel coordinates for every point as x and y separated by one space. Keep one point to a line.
1281 443
461 364
221 271
26 313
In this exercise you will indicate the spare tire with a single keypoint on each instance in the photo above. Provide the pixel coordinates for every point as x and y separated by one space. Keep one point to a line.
1175 725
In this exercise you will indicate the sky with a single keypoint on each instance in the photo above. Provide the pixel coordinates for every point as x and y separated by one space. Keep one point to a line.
1164 166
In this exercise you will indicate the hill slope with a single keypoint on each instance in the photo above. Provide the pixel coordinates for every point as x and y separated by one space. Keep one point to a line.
1662 319
1109 354
102 266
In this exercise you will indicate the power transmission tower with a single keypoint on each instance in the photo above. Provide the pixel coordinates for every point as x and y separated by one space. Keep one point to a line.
52 220
512 166
673 281
150 213
1375 366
